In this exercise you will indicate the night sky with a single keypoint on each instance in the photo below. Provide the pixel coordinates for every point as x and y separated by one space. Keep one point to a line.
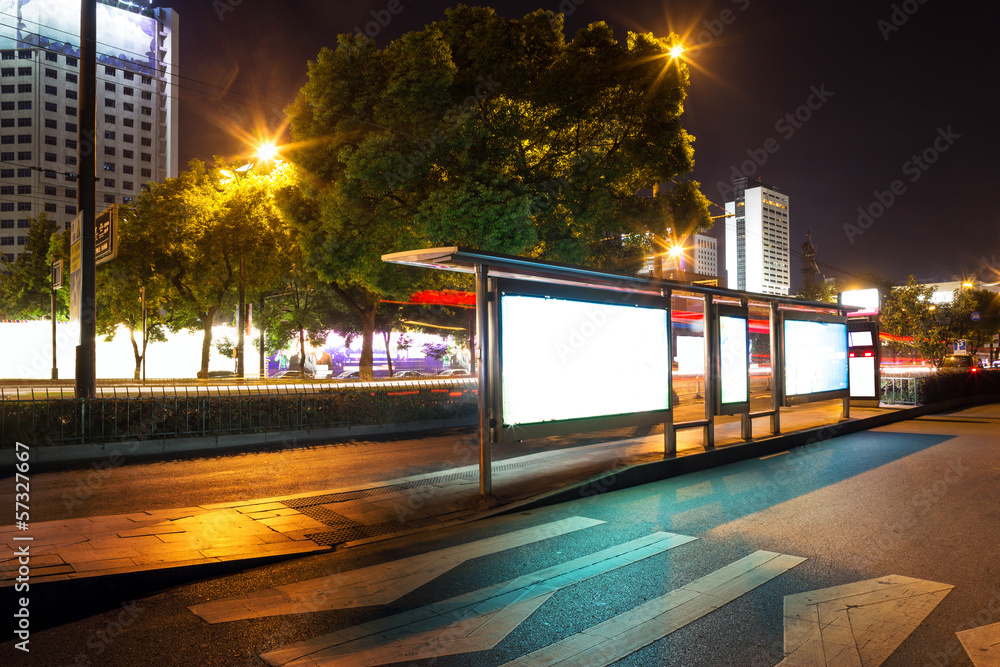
829 102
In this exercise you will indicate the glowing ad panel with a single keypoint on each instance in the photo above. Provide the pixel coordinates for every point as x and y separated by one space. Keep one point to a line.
734 359
123 38
815 357
863 377
565 359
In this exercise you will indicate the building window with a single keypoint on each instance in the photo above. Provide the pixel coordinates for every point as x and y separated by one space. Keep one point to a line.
7 106
147 81
24 71
70 111
24 189
146 111
147 95
109 166
7 240
71 61
146 173
24 206
127 154
71 160
50 73
128 138
6 224
129 76
127 185
70 77
109 134
6 189
6 206
70 209
7 156
128 169
7 55
50 208
109 199
109 182
24 87
71 143
24 105
6 122
24 155
6 173
7 89
7 139
7 71
128 91
51 90
145 157
50 191
110 71
109 150
146 141
24 122
70 94
110 103
71 127
110 87
128 122
26 139
51 57
24 173
108 118
71 193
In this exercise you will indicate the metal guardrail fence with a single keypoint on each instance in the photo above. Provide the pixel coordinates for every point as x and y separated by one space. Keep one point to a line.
130 413
904 390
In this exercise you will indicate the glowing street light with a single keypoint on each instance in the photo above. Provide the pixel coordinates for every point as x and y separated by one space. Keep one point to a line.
676 51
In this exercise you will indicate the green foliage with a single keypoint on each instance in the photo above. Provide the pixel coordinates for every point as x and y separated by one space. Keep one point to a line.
488 133
25 283
909 312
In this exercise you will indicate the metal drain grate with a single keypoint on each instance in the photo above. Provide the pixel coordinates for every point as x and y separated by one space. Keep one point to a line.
356 532
328 517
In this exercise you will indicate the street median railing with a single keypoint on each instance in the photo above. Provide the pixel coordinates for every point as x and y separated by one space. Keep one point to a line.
173 412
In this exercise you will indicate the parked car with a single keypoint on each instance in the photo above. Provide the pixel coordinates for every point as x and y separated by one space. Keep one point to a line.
407 374
454 373
348 375
959 364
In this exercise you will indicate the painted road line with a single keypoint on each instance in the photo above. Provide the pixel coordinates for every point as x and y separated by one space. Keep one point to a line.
982 644
377 584
475 621
856 624
626 633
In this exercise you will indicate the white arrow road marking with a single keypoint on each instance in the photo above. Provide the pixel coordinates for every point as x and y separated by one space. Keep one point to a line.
856 624
626 633
982 644
378 584
475 621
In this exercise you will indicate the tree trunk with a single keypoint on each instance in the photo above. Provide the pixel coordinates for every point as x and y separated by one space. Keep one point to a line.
135 353
387 335
302 351
206 343
367 342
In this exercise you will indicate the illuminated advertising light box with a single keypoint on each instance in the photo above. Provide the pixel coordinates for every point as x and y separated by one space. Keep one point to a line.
733 361
866 299
815 357
863 374
124 38
576 359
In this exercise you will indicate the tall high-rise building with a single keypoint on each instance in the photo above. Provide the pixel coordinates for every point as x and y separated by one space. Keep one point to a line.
137 115
757 257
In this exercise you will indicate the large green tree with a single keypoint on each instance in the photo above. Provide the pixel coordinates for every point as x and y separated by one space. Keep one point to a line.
25 283
493 134
205 222
909 312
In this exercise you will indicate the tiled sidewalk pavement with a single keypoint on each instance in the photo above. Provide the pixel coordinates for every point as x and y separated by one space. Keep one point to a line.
315 521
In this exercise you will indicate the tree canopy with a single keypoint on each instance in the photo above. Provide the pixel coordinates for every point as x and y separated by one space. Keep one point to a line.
488 133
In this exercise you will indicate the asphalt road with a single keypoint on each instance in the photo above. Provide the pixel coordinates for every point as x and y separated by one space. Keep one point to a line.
917 499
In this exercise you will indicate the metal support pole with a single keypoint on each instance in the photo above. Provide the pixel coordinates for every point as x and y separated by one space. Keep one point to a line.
241 320
777 369
746 423
55 366
143 333
86 362
847 407
669 432
485 380
711 344
260 328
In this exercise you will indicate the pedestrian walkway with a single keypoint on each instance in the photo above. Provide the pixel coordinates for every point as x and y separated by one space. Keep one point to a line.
320 520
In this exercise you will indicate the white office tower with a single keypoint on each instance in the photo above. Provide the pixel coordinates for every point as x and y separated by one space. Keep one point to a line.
705 251
757 239
137 115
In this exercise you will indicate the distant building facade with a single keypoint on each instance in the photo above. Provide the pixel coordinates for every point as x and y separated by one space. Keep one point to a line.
757 238
137 115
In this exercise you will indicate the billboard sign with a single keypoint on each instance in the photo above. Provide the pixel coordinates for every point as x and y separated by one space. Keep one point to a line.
866 299
57 274
815 357
106 235
733 360
575 359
